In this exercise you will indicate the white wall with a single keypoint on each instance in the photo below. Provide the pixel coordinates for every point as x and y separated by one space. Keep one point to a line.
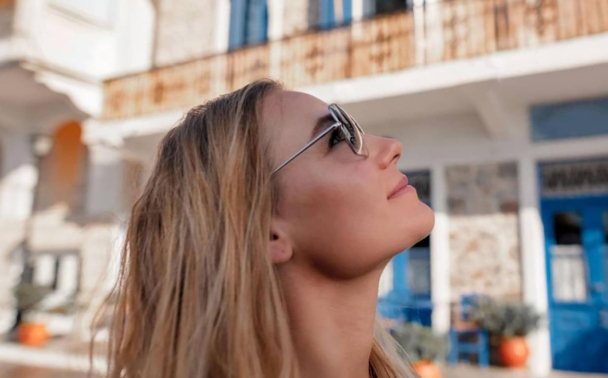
101 39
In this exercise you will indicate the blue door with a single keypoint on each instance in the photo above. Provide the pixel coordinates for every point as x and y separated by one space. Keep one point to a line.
576 233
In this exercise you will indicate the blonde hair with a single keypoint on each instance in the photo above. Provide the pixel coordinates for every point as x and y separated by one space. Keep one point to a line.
197 294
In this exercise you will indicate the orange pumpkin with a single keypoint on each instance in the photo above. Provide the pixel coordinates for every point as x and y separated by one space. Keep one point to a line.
427 369
514 352
32 334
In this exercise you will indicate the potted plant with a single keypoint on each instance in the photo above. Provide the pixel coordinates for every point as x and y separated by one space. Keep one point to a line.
30 331
423 347
507 324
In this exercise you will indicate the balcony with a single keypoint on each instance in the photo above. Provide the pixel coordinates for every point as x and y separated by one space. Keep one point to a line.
447 31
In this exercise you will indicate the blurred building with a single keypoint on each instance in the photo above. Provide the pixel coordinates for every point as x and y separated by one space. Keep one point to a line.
501 106
59 213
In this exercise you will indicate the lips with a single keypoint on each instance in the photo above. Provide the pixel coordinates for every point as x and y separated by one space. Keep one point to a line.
401 185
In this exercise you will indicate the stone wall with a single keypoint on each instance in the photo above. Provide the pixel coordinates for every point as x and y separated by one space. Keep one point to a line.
484 238
185 29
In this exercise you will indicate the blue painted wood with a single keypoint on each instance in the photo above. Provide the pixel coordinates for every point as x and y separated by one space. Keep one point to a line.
400 263
236 36
468 342
579 339
570 120
248 23
400 303
347 11
327 17
257 22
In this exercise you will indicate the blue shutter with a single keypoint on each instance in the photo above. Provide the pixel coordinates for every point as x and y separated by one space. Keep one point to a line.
236 37
327 17
347 11
248 23
328 14
257 22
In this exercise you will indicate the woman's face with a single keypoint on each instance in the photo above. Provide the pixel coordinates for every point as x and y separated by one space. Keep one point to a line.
337 210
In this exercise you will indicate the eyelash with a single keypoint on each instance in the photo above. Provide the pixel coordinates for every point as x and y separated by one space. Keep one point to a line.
336 136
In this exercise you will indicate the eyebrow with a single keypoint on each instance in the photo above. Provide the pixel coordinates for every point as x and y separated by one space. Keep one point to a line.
322 123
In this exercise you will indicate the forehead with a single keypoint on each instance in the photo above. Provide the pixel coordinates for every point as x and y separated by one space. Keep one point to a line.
288 118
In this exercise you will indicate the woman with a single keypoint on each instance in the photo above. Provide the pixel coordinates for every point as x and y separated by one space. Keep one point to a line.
258 243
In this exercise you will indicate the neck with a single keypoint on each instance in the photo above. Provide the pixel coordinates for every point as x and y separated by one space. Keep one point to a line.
331 321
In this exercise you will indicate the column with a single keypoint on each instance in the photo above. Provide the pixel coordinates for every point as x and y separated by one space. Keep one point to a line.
276 10
419 31
222 30
105 180
440 252
103 241
432 43
18 177
533 264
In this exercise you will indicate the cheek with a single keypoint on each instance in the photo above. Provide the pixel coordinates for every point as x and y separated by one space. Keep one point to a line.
346 227
330 220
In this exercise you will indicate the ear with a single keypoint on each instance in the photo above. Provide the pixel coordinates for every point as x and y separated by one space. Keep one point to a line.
280 248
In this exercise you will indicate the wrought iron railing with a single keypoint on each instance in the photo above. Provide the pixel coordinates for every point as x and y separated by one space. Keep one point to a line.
448 30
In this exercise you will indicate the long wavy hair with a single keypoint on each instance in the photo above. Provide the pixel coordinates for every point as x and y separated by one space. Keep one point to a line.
197 294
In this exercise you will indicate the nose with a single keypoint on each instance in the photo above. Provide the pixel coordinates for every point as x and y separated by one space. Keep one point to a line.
385 151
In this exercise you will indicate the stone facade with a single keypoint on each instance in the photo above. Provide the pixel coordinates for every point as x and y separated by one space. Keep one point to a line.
484 238
185 29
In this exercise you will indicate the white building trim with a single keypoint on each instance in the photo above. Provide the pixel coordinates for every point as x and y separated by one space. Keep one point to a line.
440 252
534 275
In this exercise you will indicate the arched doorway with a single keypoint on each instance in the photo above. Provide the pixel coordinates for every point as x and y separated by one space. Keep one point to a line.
63 171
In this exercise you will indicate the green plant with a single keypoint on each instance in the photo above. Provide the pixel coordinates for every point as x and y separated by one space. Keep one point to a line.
504 319
420 342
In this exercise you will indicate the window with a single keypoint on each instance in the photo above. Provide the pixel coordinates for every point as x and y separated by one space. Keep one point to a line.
568 259
378 7
579 119
329 14
248 23
576 178
419 269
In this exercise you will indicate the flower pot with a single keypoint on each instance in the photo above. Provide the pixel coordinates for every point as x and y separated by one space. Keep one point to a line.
427 369
32 334
514 352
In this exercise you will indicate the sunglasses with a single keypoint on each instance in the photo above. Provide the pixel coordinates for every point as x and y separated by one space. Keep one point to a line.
352 134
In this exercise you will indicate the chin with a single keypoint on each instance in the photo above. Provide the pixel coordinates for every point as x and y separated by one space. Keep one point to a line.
425 221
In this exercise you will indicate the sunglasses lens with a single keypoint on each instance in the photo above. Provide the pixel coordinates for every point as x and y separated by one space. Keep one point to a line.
351 129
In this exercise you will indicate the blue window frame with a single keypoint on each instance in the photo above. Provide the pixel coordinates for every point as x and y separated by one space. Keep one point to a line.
328 17
248 23
578 119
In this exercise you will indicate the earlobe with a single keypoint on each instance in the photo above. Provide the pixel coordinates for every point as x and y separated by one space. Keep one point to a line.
279 248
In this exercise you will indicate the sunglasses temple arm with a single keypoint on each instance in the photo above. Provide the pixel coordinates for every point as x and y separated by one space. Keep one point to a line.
307 146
